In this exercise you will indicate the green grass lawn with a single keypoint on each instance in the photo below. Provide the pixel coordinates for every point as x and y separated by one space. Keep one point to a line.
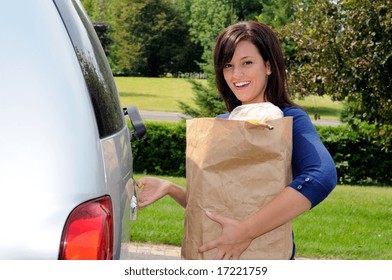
321 105
154 94
352 223
163 94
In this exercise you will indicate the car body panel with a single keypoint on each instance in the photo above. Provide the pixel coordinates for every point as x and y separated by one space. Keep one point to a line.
52 155
118 163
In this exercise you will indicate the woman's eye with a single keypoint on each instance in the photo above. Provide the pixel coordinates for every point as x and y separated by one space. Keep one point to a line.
248 62
227 65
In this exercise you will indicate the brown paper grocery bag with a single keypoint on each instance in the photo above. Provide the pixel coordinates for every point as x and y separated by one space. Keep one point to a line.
234 168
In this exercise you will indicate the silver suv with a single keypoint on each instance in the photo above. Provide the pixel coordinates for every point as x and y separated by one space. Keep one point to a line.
65 154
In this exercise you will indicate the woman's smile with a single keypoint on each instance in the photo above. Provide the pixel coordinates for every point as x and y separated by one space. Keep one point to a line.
240 85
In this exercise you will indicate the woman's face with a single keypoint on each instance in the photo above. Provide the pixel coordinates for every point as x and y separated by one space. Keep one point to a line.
247 73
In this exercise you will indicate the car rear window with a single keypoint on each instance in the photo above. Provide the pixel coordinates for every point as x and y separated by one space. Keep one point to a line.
96 70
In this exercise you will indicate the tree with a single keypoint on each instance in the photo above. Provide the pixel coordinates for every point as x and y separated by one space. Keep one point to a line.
246 9
367 50
344 49
192 51
91 8
140 28
98 10
276 13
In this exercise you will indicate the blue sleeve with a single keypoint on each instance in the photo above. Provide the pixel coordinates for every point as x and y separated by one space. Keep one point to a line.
223 116
314 171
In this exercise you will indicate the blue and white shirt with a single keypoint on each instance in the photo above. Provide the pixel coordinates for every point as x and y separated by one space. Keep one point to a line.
313 169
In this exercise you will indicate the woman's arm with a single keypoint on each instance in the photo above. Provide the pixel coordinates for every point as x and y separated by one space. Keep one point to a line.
153 189
314 171
237 235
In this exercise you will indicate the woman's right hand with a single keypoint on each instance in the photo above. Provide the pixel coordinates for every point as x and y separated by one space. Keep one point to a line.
151 189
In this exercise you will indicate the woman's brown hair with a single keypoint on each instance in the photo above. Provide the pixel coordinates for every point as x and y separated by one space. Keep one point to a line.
270 50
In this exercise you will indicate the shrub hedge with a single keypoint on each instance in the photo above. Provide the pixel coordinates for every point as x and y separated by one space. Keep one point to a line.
163 151
358 157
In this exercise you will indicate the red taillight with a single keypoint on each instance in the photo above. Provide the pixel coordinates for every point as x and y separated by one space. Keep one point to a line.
88 232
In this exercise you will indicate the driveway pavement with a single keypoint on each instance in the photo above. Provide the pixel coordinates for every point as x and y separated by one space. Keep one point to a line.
148 251
163 116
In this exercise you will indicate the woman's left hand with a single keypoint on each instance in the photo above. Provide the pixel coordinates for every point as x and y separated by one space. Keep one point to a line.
233 241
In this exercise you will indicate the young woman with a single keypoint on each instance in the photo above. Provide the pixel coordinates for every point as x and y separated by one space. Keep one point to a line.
249 68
